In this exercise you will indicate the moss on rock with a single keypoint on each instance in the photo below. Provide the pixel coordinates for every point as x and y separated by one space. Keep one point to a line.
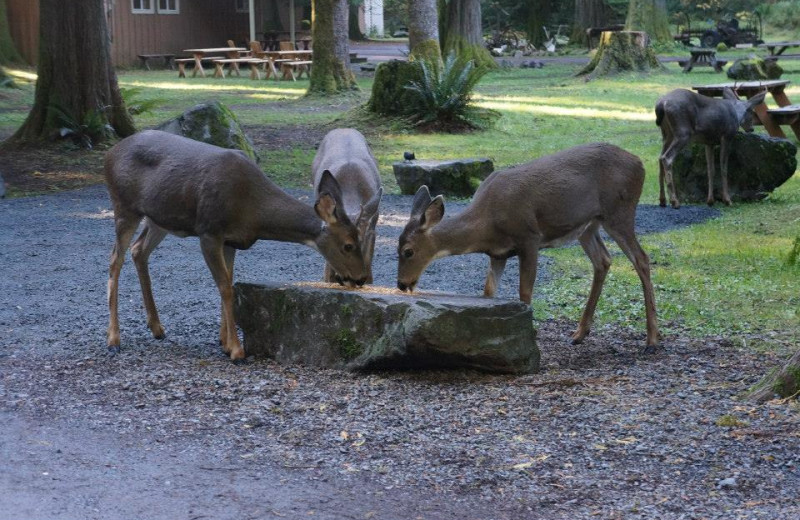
755 68
623 51
389 95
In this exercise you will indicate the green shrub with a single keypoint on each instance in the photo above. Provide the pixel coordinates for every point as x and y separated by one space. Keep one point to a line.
135 105
784 14
84 131
721 47
794 253
441 98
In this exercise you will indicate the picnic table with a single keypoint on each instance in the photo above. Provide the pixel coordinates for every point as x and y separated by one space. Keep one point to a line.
200 54
287 60
772 119
777 48
702 57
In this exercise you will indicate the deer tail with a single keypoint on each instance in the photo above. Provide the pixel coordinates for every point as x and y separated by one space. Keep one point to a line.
659 113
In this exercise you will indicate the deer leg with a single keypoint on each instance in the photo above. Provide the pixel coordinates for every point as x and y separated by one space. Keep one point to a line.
148 240
724 154
625 237
528 259
212 248
668 158
230 255
662 199
710 168
594 248
496 268
125 228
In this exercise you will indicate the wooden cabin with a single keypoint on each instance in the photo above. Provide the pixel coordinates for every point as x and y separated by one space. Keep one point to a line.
169 26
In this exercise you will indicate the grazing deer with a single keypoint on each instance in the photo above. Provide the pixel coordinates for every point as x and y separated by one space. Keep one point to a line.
345 154
189 188
684 115
543 203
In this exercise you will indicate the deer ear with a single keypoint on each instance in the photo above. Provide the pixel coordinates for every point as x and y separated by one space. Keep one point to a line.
421 201
328 184
727 93
326 209
433 214
757 99
369 212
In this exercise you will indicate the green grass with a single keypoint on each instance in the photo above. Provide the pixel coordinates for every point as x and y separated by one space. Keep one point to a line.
728 276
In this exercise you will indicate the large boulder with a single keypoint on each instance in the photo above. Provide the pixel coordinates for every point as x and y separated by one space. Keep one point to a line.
389 93
754 68
374 328
459 177
757 165
211 123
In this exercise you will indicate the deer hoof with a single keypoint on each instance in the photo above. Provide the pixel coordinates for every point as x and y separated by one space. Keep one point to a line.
577 338
237 354
649 350
158 332
113 350
662 203
727 202
675 204
710 202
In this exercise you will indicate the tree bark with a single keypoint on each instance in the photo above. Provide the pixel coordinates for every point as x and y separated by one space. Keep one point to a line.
8 51
423 30
74 72
649 16
624 51
352 21
538 16
460 31
784 382
330 72
588 13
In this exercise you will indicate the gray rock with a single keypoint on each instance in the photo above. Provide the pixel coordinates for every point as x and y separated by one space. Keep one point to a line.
364 330
758 164
459 177
2 187
729 482
754 68
211 123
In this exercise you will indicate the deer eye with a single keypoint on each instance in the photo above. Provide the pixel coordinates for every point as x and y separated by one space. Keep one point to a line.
349 248
408 253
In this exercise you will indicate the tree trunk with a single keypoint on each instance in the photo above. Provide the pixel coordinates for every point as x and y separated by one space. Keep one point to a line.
538 16
649 16
8 52
622 51
354 29
588 13
330 72
75 75
460 31
781 383
423 30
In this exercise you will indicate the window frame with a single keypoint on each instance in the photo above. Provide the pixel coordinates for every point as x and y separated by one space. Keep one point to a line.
142 10
167 10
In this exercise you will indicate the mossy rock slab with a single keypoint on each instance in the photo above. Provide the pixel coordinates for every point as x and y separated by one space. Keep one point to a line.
374 328
459 177
211 123
754 69
757 165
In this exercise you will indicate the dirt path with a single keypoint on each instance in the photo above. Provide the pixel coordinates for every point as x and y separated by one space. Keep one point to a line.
172 429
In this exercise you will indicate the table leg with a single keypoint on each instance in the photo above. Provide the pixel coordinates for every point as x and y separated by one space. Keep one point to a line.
271 70
254 71
782 100
219 71
198 65
772 129
689 65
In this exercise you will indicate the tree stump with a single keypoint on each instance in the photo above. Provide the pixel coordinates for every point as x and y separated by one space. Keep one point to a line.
622 51
784 382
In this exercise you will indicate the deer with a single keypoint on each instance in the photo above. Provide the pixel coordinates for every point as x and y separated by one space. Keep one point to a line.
186 188
684 116
540 204
345 154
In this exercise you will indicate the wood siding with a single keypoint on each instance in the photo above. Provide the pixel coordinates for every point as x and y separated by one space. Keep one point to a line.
200 23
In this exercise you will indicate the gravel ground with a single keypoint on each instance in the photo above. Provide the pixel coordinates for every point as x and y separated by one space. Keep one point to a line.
172 429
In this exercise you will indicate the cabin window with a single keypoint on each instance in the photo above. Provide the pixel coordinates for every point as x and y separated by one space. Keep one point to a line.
169 6
242 6
142 6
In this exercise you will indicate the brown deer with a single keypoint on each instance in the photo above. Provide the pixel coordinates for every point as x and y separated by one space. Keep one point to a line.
188 188
683 116
543 203
345 154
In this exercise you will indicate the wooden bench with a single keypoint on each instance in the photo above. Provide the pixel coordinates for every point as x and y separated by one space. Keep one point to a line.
787 115
701 58
290 67
219 64
167 58
182 62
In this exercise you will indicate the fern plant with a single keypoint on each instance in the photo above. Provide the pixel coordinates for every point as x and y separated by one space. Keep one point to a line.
134 104
85 131
442 97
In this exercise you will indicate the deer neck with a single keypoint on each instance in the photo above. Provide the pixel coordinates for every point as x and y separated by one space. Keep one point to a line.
457 235
286 219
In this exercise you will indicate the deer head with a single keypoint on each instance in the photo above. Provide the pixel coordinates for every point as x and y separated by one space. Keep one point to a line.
744 109
338 241
418 247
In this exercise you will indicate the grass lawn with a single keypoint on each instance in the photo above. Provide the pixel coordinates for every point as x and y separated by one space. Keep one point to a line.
725 277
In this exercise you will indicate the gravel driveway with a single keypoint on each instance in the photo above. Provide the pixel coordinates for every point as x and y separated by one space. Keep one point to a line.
172 429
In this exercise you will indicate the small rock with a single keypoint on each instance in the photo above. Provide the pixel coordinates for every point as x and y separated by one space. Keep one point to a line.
728 483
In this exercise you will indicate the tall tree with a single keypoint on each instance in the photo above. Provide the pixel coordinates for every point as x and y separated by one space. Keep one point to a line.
461 31
75 76
423 29
538 14
8 52
588 13
649 16
331 69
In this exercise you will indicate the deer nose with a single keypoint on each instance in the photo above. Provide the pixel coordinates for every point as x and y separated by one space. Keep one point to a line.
361 281
401 286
